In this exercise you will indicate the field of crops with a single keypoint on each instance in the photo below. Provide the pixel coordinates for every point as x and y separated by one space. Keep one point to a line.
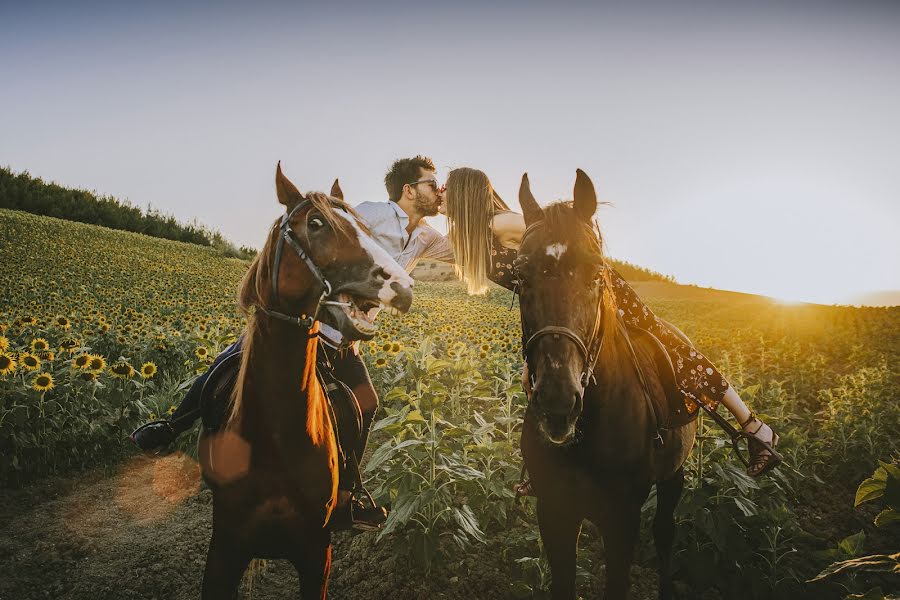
101 330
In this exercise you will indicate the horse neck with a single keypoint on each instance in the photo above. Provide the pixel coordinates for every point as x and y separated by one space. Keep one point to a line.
280 390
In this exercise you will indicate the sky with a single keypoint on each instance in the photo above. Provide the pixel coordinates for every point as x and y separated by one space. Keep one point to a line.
749 146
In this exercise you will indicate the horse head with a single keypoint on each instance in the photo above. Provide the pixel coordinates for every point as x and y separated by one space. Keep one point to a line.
561 290
321 262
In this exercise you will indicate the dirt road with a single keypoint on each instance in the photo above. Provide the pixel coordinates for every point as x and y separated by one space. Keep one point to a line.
141 531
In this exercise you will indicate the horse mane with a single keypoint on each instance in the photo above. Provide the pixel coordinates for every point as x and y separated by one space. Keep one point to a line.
561 217
254 289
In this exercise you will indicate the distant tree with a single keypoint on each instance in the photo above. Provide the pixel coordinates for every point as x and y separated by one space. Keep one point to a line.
31 194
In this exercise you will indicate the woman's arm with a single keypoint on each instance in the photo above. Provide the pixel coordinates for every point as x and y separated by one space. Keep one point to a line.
509 227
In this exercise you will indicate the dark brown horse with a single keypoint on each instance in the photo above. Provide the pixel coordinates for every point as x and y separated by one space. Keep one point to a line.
591 440
273 466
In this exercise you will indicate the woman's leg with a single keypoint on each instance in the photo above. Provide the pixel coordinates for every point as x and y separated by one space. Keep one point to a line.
699 380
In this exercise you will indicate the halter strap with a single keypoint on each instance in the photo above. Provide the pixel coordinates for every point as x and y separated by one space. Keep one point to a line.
285 235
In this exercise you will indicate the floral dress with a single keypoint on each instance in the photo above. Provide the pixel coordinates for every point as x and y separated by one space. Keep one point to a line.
698 379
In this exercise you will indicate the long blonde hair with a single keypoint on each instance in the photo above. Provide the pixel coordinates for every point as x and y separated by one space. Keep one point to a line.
471 204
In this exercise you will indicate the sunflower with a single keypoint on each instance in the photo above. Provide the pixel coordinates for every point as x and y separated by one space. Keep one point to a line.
82 361
42 382
122 370
396 347
98 363
62 323
4 344
28 320
103 328
171 410
30 362
39 344
202 352
386 347
3 328
148 370
380 363
7 364
46 355
89 376
69 344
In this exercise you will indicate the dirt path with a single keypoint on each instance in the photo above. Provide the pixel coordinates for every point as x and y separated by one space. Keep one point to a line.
142 532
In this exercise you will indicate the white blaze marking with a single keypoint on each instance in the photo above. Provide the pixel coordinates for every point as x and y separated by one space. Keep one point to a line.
380 257
556 250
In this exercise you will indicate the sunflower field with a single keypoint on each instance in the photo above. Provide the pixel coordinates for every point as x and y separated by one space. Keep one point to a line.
102 330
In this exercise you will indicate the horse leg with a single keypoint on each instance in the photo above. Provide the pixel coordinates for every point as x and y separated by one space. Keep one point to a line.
223 572
621 528
314 566
668 493
559 533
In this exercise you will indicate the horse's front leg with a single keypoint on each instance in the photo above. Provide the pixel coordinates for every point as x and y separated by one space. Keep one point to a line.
621 522
225 566
313 565
560 524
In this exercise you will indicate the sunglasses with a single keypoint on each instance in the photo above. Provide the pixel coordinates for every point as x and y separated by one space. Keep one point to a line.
430 181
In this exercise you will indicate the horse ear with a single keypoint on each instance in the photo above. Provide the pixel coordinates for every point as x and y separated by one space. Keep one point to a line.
531 210
336 190
585 196
288 194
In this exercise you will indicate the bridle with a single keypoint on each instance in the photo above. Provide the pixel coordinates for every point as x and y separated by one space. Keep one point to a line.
590 351
286 235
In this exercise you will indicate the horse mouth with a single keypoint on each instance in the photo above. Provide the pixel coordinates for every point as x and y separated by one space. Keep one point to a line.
360 312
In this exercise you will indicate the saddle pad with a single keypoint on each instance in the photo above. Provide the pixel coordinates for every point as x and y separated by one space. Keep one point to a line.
216 395
675 411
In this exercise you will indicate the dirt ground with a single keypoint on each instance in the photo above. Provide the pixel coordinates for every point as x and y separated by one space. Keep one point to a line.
141 530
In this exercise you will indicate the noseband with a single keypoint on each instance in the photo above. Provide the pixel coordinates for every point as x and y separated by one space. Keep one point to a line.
589 353
285 234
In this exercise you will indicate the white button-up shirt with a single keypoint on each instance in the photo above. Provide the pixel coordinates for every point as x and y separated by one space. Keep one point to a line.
387 224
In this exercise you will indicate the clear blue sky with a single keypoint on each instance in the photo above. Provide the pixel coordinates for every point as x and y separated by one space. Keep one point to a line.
752 146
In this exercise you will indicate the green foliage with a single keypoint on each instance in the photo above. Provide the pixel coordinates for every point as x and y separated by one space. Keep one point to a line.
33 195
445 446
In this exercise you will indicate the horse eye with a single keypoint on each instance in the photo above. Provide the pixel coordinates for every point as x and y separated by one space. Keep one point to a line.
316 223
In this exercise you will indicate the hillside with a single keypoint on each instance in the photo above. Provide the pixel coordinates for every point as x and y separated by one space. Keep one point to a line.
101 330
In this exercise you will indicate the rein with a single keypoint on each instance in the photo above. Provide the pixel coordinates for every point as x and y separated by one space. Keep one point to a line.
285 234
590 357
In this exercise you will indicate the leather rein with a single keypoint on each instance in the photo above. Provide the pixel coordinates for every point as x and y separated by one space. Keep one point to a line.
286 235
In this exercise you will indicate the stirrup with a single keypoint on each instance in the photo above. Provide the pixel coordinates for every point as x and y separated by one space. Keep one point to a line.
524 489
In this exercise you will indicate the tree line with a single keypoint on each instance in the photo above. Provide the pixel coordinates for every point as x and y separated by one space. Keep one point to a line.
32 194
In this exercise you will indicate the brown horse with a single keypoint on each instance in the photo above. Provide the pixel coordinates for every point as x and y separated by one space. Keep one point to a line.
591 439
272 467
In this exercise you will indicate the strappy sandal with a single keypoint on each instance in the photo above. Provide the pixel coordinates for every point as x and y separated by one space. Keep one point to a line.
763 456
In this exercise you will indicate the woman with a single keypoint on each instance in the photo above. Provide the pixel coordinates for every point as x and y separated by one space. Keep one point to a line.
485 236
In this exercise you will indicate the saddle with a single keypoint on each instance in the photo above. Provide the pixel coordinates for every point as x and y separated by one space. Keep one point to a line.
671 410
346 416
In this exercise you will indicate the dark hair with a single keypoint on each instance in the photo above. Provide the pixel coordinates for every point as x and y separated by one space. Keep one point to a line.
403 171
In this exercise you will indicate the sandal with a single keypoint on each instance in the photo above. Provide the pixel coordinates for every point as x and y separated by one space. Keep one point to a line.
761 443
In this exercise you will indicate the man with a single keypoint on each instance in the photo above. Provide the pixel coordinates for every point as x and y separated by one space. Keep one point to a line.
399 227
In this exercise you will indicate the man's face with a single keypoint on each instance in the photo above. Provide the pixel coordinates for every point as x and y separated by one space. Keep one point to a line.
426 193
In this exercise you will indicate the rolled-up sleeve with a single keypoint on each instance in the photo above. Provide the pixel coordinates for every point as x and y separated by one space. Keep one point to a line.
437 247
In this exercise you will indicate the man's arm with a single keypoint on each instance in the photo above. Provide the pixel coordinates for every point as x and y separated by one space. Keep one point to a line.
438 247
